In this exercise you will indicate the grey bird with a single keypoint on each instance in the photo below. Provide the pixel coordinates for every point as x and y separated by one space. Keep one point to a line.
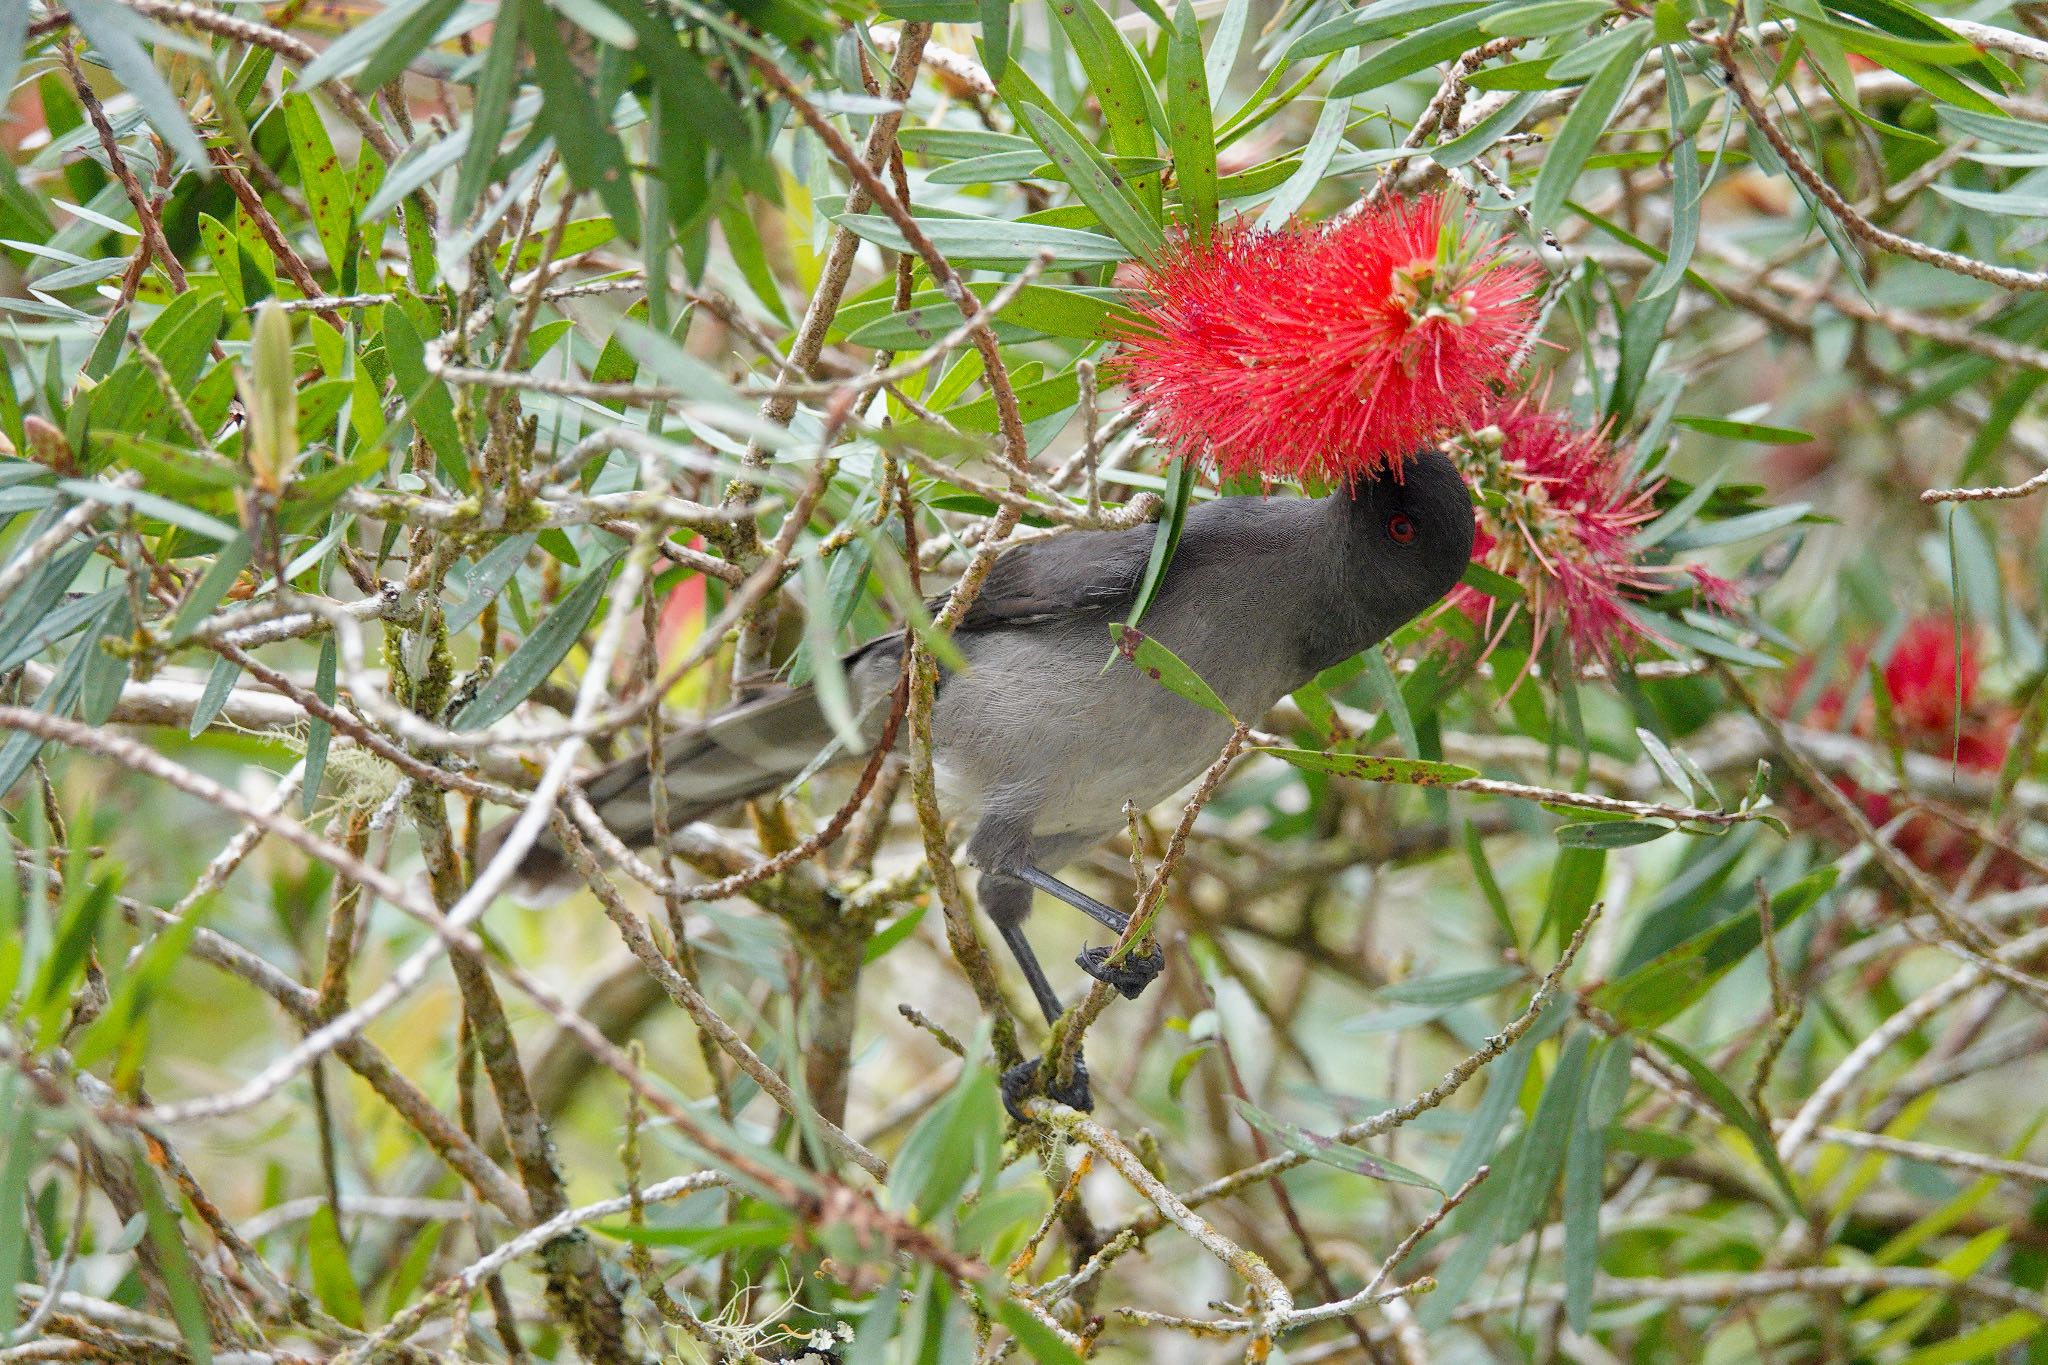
1040 746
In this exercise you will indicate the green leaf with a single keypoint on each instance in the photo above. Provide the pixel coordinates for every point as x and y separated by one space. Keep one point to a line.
1745 431
1316 155
821 653
1223 46
984 242
591 153
1542 20
1728 530
1498 586
150 505
1686 190
1412 772
1370 23
1453 988
1180 490
1042 1342
105 672
1606 1088
2002 202
1440 42
333 1282
487 578
995 37
539 653
1034 401
319 733
1190 126
1482 135
1077 312
426 397
2006 132
1724 1099
959 1136
1670 983
1163 666
491 111
1130 106
1540 1156
115 34
1575 879
1611 833
887 561
1582 127
219 682
891 934
329 193
1329 1151
1983 1342
1096 184
703 1243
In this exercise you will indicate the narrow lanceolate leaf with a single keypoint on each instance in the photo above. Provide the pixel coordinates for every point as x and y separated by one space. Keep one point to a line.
491 112
1582 127
1166 668
1315 163
1540 1157
1409 772
1190 127
1670 983
1180 489
116 34
984 242
1686 191
329 193
1606 1088
1440 42
212 697
1097 184
319 733
1080 313
591 151
1735 1111
1130 106
995 37
1611 833
333 1282
1328 1151
539 654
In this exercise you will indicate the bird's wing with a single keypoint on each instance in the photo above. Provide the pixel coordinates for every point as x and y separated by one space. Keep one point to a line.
1057 579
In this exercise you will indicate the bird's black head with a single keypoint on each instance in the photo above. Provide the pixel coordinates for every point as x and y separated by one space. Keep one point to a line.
1414 527
1404 540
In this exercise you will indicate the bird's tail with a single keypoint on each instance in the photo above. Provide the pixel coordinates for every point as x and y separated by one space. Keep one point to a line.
739 753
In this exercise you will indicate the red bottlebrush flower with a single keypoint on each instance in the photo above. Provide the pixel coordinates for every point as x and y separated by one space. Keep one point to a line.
1326 351
1561 522
1929 670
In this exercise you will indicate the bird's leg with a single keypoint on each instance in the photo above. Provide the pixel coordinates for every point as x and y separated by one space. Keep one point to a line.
1131 976
1006 901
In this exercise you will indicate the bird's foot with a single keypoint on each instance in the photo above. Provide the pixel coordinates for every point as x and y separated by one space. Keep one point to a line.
1021 1082
1130 977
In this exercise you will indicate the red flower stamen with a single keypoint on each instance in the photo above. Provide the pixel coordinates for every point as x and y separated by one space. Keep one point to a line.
1326 351
1562 523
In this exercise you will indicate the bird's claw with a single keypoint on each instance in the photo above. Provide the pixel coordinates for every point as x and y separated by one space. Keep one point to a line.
1130 977
1020 1082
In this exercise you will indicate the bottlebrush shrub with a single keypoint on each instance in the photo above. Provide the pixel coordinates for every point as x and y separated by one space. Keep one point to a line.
1330 350
1931 692
1558 515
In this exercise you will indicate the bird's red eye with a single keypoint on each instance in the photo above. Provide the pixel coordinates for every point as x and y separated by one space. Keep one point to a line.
1401 528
